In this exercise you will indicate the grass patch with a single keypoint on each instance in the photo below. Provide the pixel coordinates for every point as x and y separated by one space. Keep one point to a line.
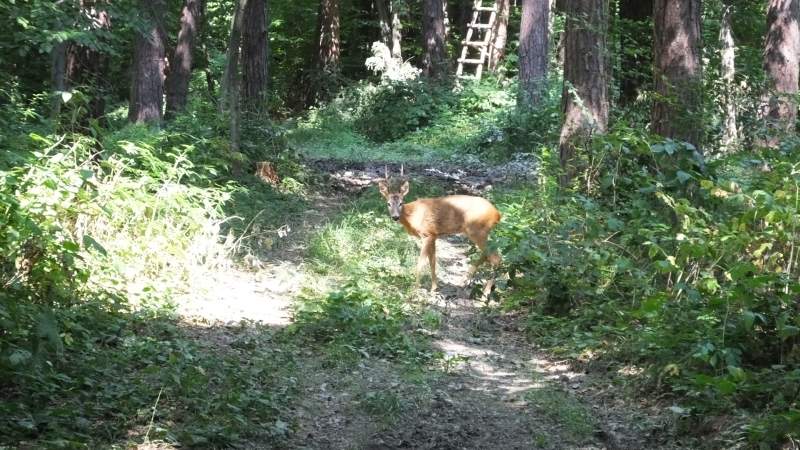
563 410
364 312
102 388
384 406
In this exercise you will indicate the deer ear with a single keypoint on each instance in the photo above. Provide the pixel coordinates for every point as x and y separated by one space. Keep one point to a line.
383 188
404 188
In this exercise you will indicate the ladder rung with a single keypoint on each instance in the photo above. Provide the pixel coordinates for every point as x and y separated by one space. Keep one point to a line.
470 61
475 43
482 26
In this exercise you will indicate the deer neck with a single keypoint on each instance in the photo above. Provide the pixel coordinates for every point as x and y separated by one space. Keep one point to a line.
405 215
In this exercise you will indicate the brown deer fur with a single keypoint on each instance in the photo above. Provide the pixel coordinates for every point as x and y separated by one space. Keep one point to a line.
430 218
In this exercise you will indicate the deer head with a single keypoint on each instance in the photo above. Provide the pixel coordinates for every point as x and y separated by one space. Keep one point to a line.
394 190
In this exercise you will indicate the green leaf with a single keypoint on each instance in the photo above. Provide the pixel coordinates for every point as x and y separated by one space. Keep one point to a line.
70 246
89 241
18 357
683 177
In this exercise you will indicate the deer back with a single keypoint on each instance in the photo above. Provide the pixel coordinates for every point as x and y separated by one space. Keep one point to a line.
452 214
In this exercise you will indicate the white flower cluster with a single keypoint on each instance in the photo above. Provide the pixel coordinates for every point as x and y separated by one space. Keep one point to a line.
391 69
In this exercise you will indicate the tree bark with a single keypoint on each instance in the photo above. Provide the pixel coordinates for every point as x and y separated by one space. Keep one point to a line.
329 42
636 48
85 67
391 28
397 34
383 8
782 48
533 48
730 133
499 34
584 98
58 77
180 64
677 111
434 61
147 89
230 80
255 51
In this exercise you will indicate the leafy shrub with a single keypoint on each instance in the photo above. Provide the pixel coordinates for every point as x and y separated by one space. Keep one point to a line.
395 109
685 268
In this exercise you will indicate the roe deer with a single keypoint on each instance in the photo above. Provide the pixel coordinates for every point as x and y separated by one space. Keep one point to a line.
429 218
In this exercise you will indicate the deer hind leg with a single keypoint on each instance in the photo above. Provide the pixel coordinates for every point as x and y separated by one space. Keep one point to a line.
479 237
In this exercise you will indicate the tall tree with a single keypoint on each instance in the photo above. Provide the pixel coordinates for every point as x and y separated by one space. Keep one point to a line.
82 64
58 76
255 51
231 79
678 72
147 86
391 28
383 8
499 34
181 61
730 133
584 98
782 48
636 47
328 37
533 46
397 32
434 60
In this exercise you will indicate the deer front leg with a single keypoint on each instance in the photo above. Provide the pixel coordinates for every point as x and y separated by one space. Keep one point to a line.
427 255
431 247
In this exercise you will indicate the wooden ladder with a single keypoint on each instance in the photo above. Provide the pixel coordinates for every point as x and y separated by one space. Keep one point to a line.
473 40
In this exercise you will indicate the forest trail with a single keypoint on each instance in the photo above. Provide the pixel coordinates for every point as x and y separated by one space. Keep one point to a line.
491 388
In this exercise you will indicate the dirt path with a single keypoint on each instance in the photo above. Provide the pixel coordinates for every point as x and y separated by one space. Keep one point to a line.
490 388
493 390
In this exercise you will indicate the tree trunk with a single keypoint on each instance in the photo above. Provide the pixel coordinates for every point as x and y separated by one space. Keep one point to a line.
464 15
434 61
499 34
180 64
678 74
147 87
255 49
397 34
85 67
329 42
391 28
730 133
58 77
782 48
584 99
383 8
533 47
446 19
230 80
636 48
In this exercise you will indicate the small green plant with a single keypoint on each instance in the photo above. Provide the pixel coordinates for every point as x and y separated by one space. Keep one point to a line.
386 406
564 410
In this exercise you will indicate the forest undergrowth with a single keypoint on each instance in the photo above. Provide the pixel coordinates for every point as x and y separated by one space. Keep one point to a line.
675 275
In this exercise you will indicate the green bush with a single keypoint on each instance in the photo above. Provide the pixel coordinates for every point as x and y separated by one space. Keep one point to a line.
683 268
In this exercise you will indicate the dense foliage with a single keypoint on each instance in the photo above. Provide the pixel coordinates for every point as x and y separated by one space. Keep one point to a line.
674 265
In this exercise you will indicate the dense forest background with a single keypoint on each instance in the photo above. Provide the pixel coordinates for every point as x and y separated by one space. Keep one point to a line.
151 148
